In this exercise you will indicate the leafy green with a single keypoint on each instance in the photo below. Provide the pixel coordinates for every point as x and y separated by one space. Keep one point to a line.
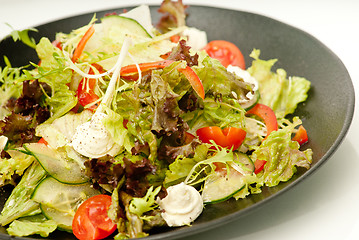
147 203
174 15
276 91
201 170
32 225
218 82
282 156
113 122
19 203
23 35
53 72
215 113
10 86
16 165
180 168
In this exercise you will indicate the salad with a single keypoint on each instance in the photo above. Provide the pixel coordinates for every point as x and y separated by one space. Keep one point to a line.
124 126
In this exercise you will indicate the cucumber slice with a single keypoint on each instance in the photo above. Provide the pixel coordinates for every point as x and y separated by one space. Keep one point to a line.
60 167
219 187
59 201
245 162
116 25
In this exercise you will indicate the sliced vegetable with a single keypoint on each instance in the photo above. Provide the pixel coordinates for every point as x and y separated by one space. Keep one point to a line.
192 77
115 23
60 167
63 201
226 52
81 45
221 186
243 159
230 137
267 115
301 135
259 165
91 220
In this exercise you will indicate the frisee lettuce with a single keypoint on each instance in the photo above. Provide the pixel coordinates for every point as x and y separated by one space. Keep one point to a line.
147 203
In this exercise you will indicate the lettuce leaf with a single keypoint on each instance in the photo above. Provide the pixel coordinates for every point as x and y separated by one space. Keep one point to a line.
282 156
277 91
147 203
113 122
32 225
218 82
181 167
17 164
19 203
10 86
53 72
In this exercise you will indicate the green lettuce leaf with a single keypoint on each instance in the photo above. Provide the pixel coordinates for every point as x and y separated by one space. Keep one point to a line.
216 113
181 167
277 91
113 122
282 156
218 82
147 203
53 72
32 225
17 164
10 86
19 203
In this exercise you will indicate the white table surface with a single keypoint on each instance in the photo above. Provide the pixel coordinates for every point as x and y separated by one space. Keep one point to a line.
325 205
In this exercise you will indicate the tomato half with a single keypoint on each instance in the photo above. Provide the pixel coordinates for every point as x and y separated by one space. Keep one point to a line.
91 220
267 115
230 137
226 52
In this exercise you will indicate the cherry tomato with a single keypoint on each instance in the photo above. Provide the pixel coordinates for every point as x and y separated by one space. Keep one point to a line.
226 52
301 135
91 220
267 115
230 137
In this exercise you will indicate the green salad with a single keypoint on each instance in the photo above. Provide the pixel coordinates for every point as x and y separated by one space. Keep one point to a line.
123 127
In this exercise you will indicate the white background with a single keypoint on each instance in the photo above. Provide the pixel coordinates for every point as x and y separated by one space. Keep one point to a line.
325 205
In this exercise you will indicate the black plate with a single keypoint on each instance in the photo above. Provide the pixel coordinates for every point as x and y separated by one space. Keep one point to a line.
327 114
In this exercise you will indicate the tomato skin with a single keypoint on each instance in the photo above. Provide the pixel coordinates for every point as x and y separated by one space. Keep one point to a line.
43 141
267 115
226 52
259 165
86 90
230 137
301 135
91 220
